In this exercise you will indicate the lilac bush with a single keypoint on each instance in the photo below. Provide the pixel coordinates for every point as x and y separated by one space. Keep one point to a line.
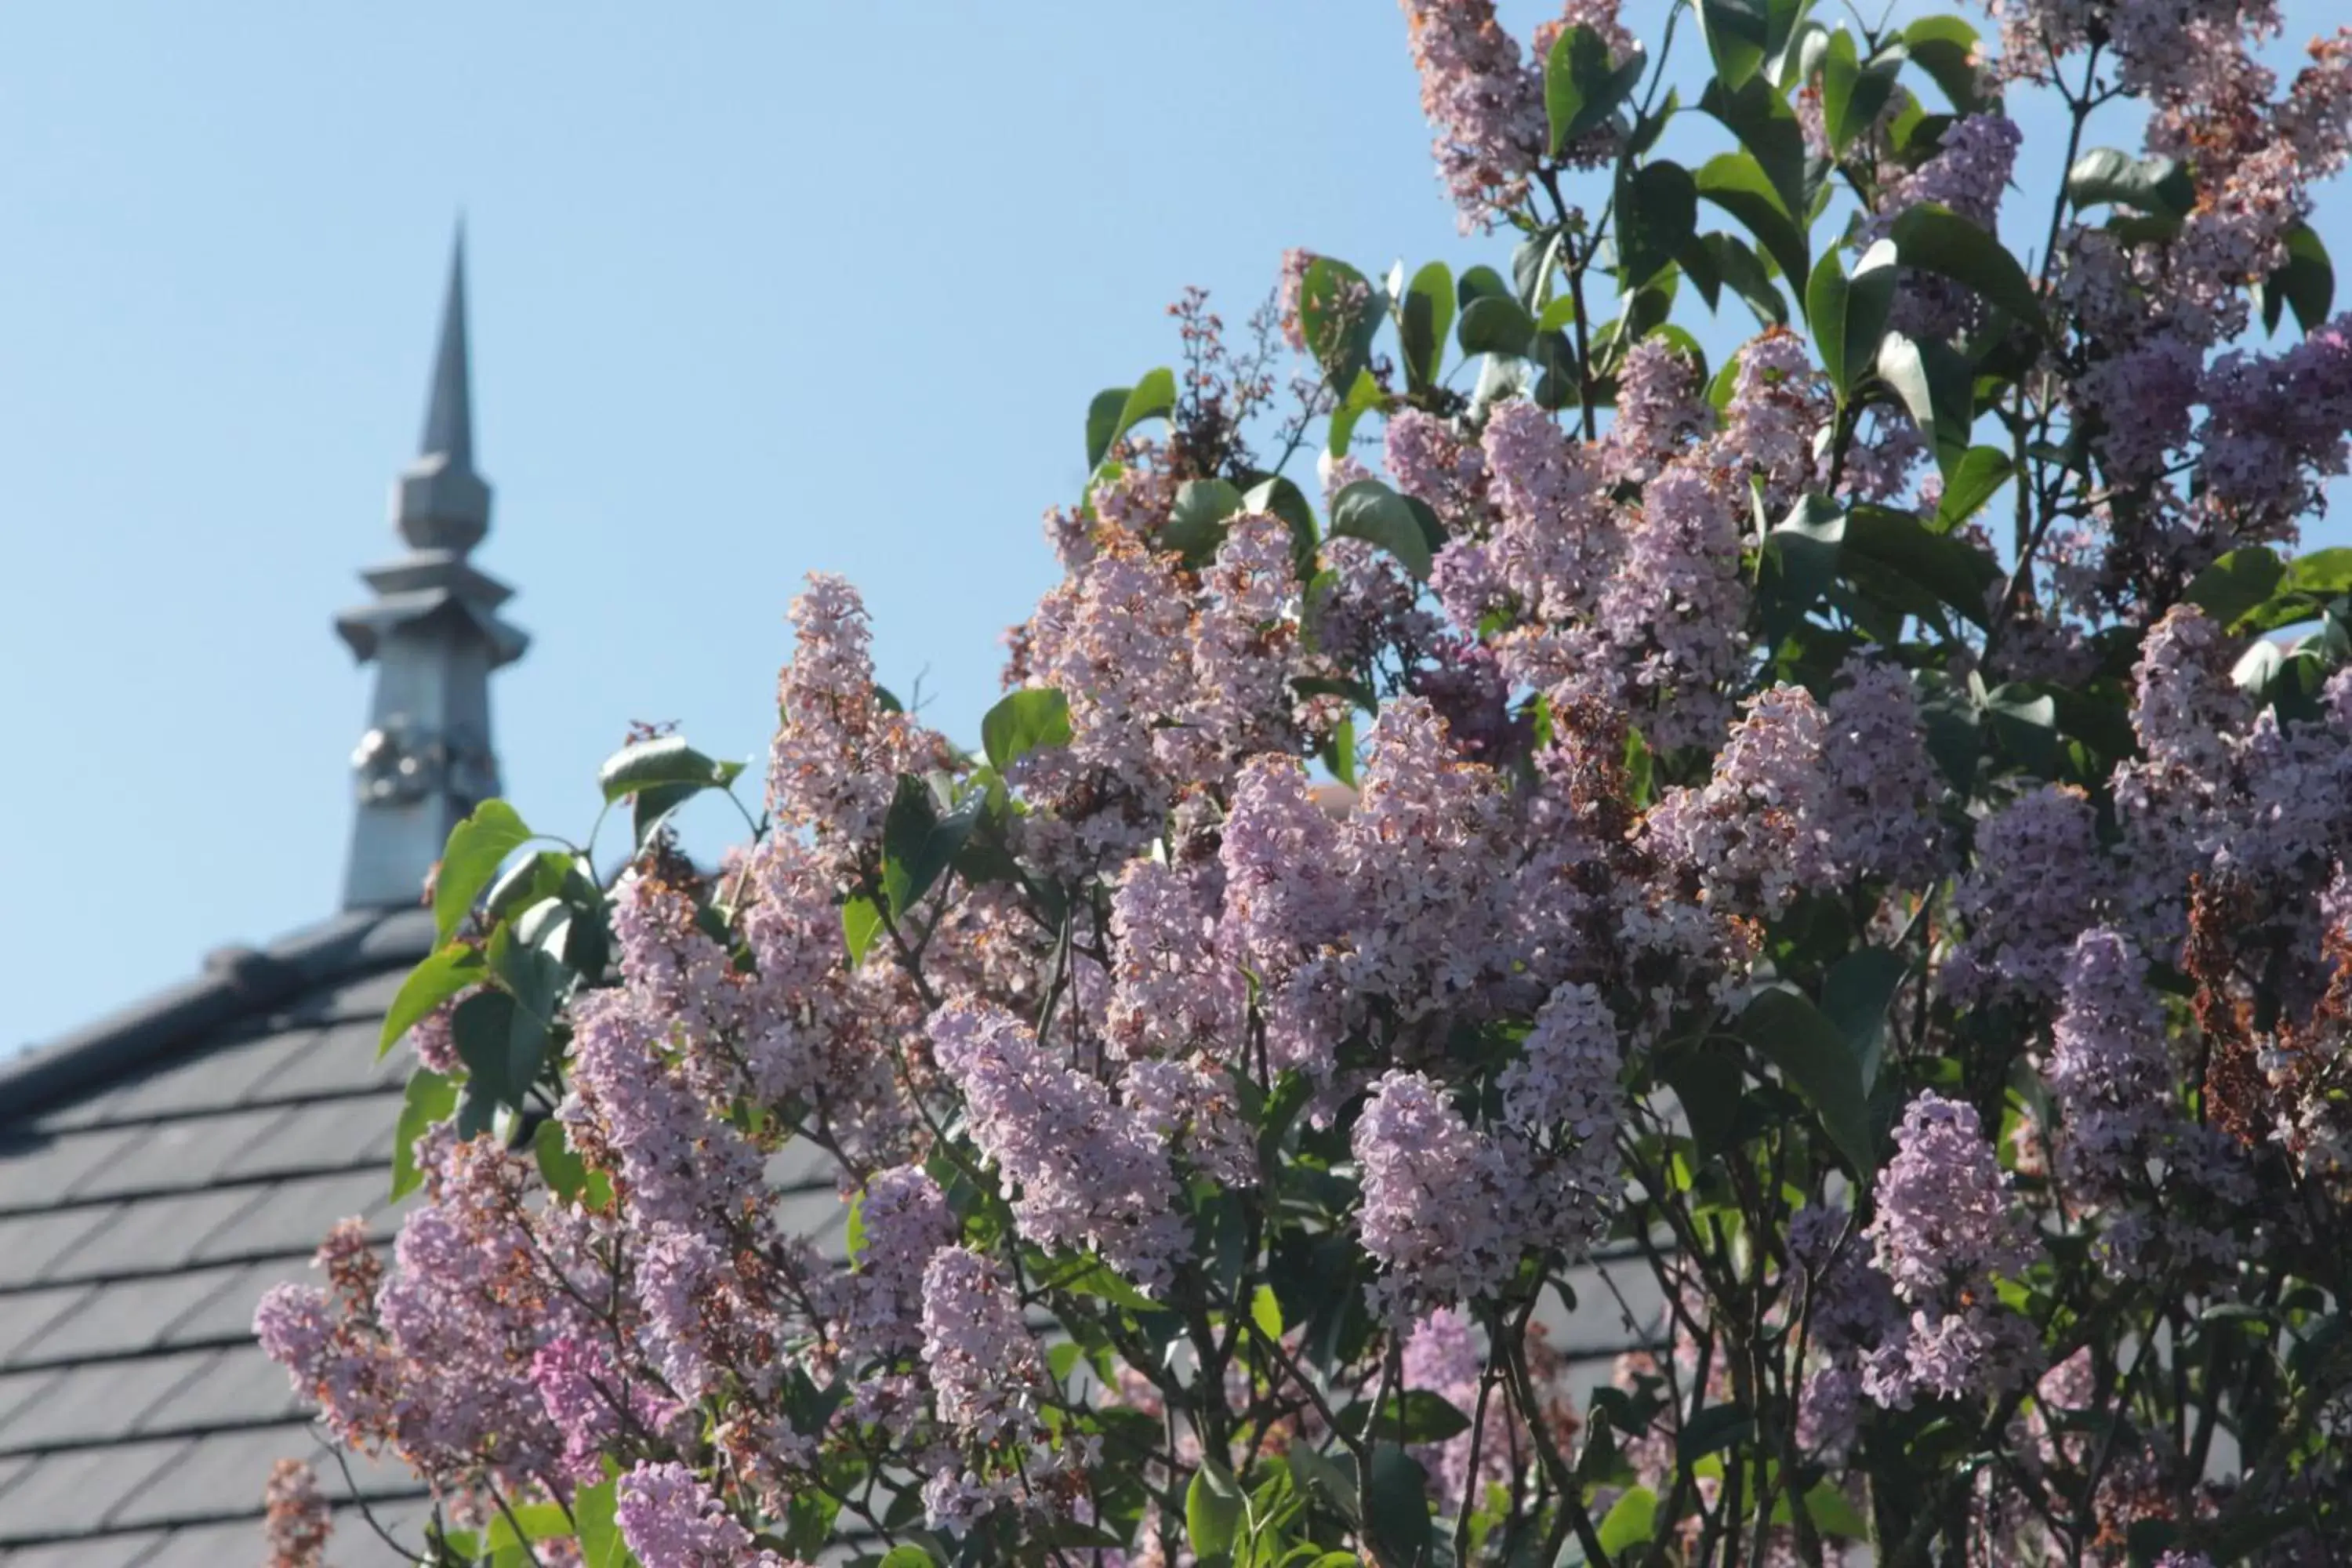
1841 860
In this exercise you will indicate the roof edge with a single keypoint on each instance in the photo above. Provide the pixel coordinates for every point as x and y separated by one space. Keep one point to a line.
237 982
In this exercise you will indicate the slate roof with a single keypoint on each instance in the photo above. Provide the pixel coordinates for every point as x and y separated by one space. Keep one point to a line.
159 1171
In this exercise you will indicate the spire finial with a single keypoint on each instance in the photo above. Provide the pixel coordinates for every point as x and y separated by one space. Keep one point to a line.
441 503
449 417
434 634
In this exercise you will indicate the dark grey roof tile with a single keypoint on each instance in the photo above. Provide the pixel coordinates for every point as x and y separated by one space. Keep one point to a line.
321 1137
149 1233
30 1244
20 1390
227 1312
37 1169
214 1078
229 1471
131 1317
86 1111
179 1156
227 1545
80 1490
28 1314
207 1477
102 1403
361 997
235 1387
136 1549
337 1061
293 1217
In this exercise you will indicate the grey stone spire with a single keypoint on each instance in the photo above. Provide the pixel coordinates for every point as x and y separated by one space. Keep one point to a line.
434 635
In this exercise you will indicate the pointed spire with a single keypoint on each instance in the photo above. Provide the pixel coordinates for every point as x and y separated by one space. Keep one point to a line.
441 503
434 633
449 417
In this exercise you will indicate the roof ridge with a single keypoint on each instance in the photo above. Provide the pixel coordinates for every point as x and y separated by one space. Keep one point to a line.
234 983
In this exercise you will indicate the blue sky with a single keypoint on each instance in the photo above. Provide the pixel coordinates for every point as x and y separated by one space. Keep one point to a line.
757 289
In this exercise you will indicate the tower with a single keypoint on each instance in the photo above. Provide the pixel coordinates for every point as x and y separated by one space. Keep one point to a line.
434 634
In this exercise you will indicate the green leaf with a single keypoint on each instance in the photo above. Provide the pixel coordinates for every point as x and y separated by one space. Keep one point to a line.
1935 239
540 1522
1480 283
1738 184
919 843
1947 48
1424 320
861 922
1947 566
665 760
1265 1313
1831 1513
447 970
1370 511
1026 720
1848 315
2237 584
483 1029
2307 283
1973 482
478 847
1657 214
908 1556
2026 725
1801 556
2157 185
1582 91
2322 574
1496 324
594 1509
1743 273
1416 1416
1093 1276
1854 997
1708 1081
1715 1428
1396 1505
1338 315
428 1101
1213 1511
1813 1054
1852 95
1117 411
1767 128
564 1172
1632 1521
1738 36
1937 389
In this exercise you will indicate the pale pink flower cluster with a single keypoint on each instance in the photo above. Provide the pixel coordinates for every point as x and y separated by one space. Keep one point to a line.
1082 1172
1946 1225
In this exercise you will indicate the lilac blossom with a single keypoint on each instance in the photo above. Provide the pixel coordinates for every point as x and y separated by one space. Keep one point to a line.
1081 1170
1434 1199
670 1520
984 1368
1947 1224
2039 881
1660 412
1484 101
1883 787
1759 832
299 1519
905 1219
838 751
1670 618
